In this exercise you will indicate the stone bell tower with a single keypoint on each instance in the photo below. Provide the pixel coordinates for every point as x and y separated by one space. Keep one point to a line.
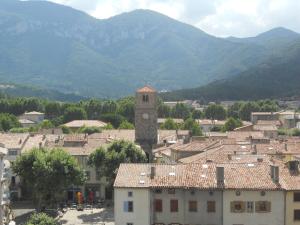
146 119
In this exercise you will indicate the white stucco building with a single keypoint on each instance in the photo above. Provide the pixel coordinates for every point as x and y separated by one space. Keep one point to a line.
206 194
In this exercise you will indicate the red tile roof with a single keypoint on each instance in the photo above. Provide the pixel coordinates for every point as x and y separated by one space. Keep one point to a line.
146 89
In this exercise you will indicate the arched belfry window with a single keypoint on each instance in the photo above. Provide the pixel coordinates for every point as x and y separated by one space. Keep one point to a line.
145 98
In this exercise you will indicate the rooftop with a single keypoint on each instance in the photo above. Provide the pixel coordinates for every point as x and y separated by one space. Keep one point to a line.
146 89
85 123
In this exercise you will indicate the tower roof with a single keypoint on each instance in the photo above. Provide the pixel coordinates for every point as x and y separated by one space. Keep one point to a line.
146 89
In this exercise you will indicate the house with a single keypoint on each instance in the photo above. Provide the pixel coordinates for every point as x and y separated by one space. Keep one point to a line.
166 194
26 123
36 117
77 124
205 193
255 116
208 125
5 174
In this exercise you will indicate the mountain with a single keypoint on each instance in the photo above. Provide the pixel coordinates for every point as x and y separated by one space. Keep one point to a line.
28 91
56 47
277 77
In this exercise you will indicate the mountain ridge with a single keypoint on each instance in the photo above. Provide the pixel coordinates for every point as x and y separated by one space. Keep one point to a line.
53 46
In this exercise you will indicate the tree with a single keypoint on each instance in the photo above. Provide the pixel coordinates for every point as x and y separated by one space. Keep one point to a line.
48 172
246 110
231 124
197 114
233 110
113 119
126 108
89 130
125 125
46 124
8 121
181 110
74 113
107 160
41 219
163 110
191 125
52 110
215 112
169 124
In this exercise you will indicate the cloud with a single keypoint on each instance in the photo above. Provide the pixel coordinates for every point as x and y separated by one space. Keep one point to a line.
218 17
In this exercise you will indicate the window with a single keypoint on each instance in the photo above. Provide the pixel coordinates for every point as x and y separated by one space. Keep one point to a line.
262 193
158 205
130 194
237 207
296 196
297 214
128 206
171 191
145 98
211 206
262 206
174 205
88 175
12 152
250 207
193 206
129 223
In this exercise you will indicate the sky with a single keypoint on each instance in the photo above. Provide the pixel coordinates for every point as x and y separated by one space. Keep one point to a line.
223 18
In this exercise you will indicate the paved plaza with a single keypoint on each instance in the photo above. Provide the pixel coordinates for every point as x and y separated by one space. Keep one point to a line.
102 216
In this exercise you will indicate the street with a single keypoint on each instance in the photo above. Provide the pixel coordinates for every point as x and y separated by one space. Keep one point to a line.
88 216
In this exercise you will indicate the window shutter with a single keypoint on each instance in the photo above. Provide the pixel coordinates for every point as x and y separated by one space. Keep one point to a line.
242 206
268 206
232 207
256 206
125 206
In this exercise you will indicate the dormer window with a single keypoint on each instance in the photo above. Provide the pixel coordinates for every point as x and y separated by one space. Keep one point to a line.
145 98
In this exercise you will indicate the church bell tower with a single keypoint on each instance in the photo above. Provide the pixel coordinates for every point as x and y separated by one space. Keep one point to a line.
146 119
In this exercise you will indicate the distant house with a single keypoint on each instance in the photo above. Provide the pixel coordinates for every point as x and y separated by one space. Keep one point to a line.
26 123
161 121
35 117
76 124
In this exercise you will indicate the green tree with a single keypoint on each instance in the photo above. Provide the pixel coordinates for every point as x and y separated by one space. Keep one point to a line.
41 219
89 130
215 112
169 124
197 114
48 172
191 125
74 113
126 108
231 124
125 125
52 110
8 121
246 110
114 119
163 110
108 160
46 124
181 110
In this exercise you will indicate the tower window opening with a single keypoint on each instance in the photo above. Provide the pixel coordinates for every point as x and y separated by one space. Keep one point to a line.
145 98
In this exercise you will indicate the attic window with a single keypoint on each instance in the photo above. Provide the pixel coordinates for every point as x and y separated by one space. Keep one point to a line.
145 98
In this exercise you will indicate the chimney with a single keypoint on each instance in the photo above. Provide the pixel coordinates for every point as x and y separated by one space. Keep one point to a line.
275 173
255 150
152 173
220 175
285 146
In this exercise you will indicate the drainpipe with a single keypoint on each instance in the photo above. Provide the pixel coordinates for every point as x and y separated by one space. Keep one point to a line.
285 212
222 206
